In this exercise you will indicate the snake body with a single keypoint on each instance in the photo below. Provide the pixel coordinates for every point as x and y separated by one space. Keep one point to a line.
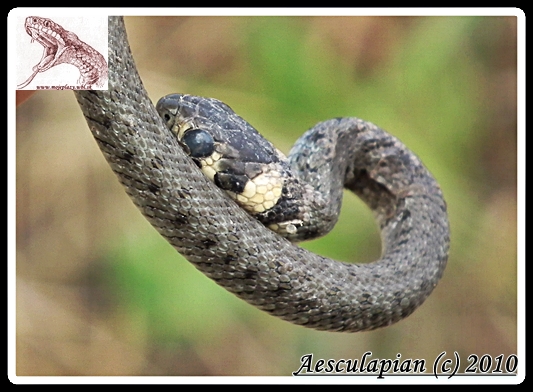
236 250
64 47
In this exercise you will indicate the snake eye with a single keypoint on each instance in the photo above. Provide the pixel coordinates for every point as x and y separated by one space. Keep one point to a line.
199 142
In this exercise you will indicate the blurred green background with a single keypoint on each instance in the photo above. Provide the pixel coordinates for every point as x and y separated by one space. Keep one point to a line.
99 292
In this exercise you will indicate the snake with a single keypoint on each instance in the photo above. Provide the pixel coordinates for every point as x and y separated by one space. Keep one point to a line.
188 165
64 47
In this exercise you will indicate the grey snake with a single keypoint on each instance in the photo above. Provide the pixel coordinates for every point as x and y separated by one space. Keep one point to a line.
237 251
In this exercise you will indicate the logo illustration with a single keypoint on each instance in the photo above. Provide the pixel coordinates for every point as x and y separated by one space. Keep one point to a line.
64 47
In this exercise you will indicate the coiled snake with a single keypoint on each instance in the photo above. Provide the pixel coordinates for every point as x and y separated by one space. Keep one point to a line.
238 252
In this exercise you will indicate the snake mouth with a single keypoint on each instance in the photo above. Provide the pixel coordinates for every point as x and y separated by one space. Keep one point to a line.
48 35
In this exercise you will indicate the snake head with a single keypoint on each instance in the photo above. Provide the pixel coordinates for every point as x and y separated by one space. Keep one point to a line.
228 150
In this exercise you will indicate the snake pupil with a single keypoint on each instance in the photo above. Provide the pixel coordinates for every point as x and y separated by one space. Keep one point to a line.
199 142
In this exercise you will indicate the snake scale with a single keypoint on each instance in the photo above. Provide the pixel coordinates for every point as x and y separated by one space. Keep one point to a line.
238 252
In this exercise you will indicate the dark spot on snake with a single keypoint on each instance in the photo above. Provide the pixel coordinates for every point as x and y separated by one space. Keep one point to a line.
369 145
229 259
200 143
314 137
128 156
383 163
403 242
125 180
405 214
157 163
153 188
197 162
250 275
284 210
208 243
183 193
230 182
180 219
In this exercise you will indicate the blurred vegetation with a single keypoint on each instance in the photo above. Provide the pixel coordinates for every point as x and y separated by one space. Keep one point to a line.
99 292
